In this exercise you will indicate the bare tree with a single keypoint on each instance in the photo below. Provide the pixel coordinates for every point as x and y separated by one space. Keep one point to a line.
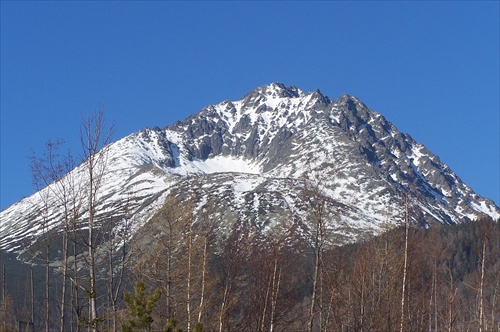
405 261
46 173
486 233
188 218
316 201
157 257
207 232
94 139
231 272
57 185
118 254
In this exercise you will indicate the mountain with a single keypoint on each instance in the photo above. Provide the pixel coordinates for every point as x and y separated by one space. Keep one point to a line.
251 159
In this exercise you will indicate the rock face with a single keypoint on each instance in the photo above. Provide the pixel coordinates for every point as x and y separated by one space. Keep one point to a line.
251 157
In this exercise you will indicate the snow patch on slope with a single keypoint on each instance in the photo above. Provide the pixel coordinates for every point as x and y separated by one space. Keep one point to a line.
218 164
226 164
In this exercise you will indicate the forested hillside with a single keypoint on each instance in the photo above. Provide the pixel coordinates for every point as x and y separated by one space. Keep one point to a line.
276 282
280 282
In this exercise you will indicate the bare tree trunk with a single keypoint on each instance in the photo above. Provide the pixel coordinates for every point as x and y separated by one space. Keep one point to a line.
451 296
76 283
494 300
42 176
47 281
110 281
188 291
405 264
65 255
75 196
203 270
32 295
435 298
481 286
362 302
64 282
274 296
312 195
114 283
168 280
96 163
264 310
317 259
91 250
67 196
120 277
223 307
53 173
330 308
430 303
4 300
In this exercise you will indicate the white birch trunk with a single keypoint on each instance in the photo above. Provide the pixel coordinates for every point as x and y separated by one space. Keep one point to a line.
405 265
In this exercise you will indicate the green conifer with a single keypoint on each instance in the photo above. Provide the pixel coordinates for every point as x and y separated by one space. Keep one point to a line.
140 308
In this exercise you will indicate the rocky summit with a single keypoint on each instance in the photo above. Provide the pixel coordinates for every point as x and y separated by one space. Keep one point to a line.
252 158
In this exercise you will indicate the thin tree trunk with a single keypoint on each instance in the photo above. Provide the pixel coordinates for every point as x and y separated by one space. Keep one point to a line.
169 273
314 196
481 286
405 266
65 253
493 304
310 319
76 282
450 303
432 301
203 272
320 320
90 224
32 301
362 302
330 308
263 317
168 279
114 300
47 280
223 308
274 297
436 299
111 279
4 298
92 140
64 279
64 188
188 291
91 258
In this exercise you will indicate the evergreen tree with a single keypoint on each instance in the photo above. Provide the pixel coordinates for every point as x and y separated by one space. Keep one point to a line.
140 308
198 327
171 326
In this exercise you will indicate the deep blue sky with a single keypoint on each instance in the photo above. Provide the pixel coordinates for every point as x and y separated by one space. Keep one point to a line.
431 68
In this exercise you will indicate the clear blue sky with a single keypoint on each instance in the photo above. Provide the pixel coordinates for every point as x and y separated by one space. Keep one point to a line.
431 68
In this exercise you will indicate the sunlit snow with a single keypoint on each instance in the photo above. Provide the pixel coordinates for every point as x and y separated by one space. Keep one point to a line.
144 166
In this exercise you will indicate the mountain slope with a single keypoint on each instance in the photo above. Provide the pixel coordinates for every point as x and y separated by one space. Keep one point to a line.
252 156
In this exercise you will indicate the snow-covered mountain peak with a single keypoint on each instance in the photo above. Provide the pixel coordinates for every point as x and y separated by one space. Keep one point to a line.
276 90
252 154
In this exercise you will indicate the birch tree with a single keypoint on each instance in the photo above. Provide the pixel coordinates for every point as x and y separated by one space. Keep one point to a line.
313 197
405 261
94 140
56 187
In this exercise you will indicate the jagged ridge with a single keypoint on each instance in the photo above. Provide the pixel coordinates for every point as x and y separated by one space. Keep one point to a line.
275 134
